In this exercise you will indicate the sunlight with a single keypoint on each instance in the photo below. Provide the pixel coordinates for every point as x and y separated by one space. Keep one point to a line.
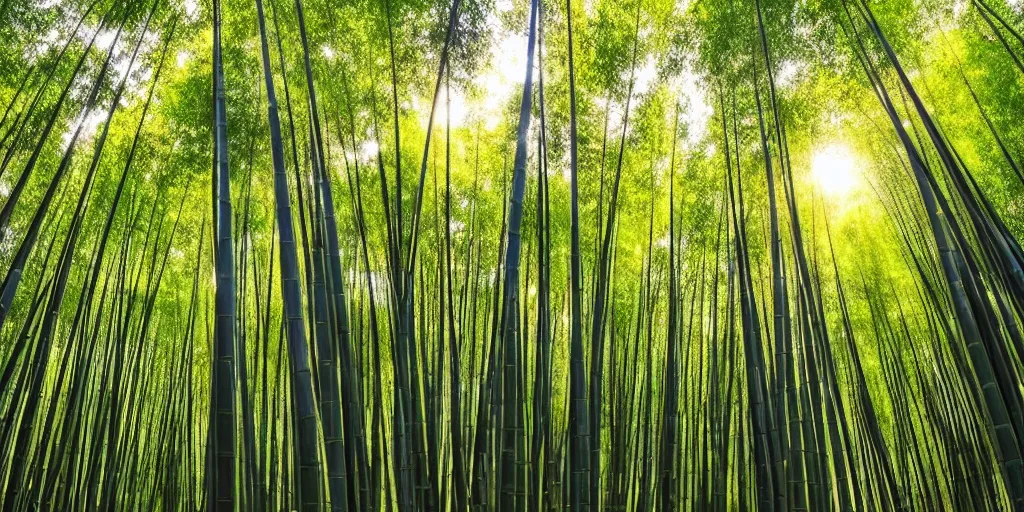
190 8
645 76
458 107
695 110
87 125
105 39
507 72
834 168
369 150
789 71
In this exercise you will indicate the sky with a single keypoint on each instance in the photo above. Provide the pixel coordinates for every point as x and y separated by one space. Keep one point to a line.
833 166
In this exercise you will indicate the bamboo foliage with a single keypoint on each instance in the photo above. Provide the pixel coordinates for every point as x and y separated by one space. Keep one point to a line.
616 282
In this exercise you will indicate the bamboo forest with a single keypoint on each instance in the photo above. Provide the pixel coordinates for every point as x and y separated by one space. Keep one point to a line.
511 255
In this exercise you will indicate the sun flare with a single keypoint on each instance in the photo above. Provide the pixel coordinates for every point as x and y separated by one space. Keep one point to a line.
834 168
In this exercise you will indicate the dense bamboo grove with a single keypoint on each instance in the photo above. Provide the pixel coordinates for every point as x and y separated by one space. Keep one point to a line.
620 255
